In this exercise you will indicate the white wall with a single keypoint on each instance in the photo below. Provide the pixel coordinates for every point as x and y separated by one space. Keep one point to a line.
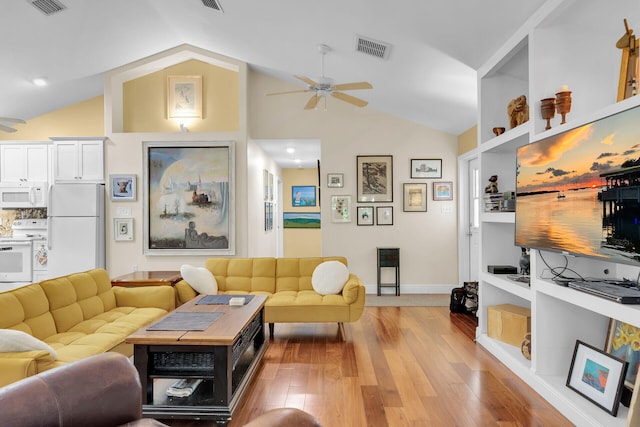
427 240
261 243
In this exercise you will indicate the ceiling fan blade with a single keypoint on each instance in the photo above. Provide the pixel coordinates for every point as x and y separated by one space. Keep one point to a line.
353 86
289 91
7 129
311 104
350 99
307 80
10 120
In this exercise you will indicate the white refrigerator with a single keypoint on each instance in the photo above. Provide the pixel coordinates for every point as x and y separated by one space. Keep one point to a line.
76 228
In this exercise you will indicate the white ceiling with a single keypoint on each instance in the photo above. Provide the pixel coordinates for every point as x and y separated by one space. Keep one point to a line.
429 77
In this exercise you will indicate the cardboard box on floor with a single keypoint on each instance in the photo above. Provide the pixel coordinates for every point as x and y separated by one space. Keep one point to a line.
508 323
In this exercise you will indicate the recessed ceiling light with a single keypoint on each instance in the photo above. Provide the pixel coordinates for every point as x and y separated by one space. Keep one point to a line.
297 160
40 81
291 150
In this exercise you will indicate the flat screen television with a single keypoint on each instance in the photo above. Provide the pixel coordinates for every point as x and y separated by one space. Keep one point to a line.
578 192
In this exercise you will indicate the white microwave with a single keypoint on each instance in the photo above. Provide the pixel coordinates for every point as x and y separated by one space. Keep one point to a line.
15 195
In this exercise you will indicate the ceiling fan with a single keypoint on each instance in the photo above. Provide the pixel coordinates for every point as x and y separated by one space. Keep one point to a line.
324 86
7 122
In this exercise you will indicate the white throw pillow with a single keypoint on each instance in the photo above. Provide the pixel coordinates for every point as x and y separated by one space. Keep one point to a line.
12 340
200 279
329 277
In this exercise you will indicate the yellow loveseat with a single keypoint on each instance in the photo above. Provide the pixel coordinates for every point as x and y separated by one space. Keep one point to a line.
287 283
78 315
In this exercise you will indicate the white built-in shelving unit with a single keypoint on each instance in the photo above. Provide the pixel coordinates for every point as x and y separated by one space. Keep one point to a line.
567 42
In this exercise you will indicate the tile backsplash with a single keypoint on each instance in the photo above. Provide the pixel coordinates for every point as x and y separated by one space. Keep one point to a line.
7 216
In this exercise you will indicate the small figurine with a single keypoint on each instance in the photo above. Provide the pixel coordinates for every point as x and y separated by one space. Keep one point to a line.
518 111
492 187
524 262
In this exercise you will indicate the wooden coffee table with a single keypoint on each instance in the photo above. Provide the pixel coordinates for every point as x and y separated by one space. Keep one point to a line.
225 354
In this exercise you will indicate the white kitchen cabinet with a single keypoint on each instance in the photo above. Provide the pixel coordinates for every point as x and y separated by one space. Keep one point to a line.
24 162
78 160
571 43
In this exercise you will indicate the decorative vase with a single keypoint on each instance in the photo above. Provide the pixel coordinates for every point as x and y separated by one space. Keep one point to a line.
548 109
563 104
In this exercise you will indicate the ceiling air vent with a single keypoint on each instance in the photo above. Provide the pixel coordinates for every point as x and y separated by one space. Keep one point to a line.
372 47
213 4
48 7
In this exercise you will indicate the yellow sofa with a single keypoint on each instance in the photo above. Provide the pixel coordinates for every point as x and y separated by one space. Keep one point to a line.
78 315
287 283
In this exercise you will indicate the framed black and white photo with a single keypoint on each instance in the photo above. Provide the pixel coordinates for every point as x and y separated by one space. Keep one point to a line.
123 188
335 180
414 197
184 97
374 178
597 376
122 229
384 215
426 168
365 215
340 208
189 198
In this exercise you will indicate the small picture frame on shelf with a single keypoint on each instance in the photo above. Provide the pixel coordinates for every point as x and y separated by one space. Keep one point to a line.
123 188
384 215
622 342
442 190
365 215
335 180
597 376
123 229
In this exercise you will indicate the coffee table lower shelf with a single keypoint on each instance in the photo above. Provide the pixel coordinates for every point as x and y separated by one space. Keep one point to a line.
201 404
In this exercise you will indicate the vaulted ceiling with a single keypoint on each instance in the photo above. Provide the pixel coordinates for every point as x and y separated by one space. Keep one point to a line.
429 76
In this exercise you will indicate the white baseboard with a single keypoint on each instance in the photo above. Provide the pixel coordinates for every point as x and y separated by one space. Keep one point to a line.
412 289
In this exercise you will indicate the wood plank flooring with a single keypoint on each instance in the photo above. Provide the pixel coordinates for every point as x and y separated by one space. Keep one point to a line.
400 366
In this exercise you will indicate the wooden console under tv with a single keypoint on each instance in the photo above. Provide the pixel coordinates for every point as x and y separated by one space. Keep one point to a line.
225 356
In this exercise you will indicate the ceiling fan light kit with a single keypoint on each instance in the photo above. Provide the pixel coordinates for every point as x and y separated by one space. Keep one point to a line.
324 86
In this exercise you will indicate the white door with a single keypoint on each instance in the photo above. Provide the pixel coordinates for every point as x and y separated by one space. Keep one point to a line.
469 218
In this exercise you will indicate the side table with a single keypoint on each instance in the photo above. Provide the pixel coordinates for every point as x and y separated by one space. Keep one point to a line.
147 278
389 257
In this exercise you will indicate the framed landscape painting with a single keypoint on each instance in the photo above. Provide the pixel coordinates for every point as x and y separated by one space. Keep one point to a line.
374 178
189 198
301 220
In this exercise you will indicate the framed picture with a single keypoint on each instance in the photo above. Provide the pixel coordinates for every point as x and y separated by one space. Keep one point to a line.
123 188
301 220
268 216
270 185
415 197
189 198
426 168
384 215
335 180
597 376
443 190
340 208
375 178
123 229
184 97
303 195
623 341
365 215
265 184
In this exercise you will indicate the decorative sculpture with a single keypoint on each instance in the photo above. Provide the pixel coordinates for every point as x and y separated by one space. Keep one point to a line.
518 111
548 110
492 187
629 67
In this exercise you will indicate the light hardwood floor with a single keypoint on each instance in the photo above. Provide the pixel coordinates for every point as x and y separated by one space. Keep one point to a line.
400 366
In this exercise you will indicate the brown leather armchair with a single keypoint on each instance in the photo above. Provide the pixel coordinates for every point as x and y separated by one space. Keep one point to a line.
99 391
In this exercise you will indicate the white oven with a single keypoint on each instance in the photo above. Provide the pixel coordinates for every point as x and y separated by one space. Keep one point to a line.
15 260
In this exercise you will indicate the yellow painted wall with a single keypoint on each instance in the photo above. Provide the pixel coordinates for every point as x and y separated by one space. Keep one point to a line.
145 100
468 140
85 118
300 242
